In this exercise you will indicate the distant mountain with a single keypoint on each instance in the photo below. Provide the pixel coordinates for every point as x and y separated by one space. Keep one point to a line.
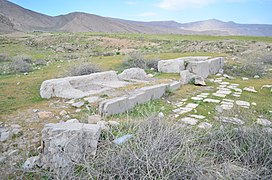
16 18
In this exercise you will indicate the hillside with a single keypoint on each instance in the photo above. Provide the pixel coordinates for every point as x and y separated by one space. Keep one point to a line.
16 18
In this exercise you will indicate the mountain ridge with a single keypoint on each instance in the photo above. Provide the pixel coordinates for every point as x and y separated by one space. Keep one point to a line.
16 18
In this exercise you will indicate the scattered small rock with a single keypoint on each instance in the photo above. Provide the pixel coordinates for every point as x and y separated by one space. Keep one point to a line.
122 139
211 100
264 122
78 104
63 113
256 77
232 120
93 119
35 110
243 104
45 114
250 89
72 121
31 162
113 123
204 125
161 115
197 98
197 116
189 120
78 111
198 80
103 125
267 86
245 79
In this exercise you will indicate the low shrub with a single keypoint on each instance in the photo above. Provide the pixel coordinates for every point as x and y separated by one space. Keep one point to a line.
3 57
19 66
247 70
24 58
160 150
83 69
137 59
40 62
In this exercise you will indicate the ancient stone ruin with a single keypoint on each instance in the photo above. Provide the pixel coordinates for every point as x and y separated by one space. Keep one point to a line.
190 68
200 66
67 143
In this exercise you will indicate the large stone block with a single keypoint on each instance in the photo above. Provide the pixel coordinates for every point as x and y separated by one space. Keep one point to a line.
133 73
125 103
174 85
171 66
186 76
196 58
114 106
80 86
200 68
156 91
216 64
65 144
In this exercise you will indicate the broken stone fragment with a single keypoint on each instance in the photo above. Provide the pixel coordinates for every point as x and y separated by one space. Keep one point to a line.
72 121
232 120
171 65
133 73
113 123
122 139
66 144
189 120
243 104
63 113
45 114
103 125
78 104
204 125
264 122
93 119
211 100
198 80
31 162
186 76
250 89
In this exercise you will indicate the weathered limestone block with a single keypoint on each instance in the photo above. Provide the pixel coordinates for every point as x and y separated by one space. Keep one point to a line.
67 143
125 103
216 64
196 58
186 76
80 86
133 73
114 106
171 66
156 91
200 68
174 85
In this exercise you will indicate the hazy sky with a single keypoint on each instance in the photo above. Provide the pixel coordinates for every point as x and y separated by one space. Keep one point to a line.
241 11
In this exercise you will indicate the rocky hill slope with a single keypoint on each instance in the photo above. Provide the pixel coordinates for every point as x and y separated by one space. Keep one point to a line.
16 18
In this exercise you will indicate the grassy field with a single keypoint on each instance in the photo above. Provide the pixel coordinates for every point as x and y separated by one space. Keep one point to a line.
240 152
20 91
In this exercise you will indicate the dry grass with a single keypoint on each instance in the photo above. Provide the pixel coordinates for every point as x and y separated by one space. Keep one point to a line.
164 150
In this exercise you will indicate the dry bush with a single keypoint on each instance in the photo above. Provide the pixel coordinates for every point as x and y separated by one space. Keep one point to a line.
136 59
3 57
20 64
40 62
83 69
246 70
160 150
